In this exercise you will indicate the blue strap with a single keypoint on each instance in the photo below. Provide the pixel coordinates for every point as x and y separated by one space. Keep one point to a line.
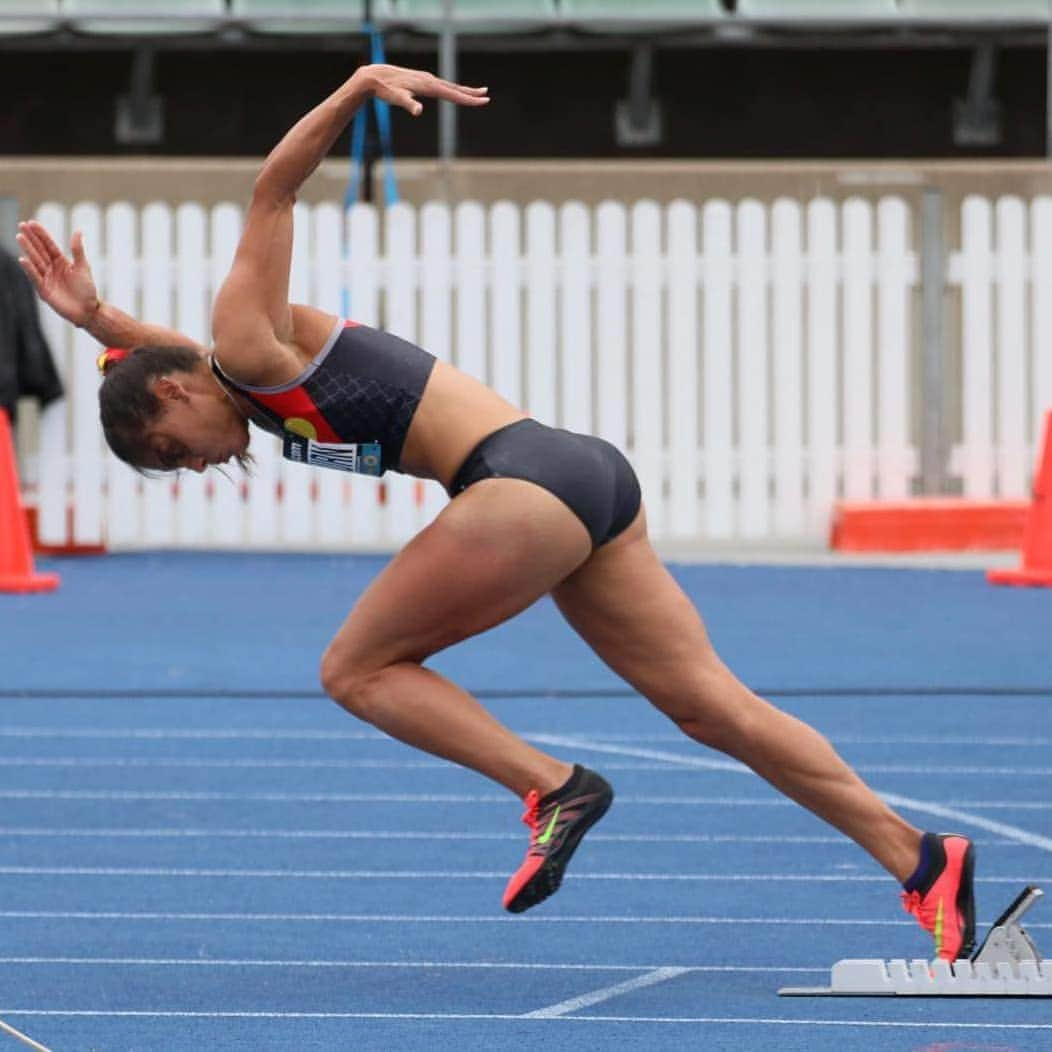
358 136
357 157
383 124
383 121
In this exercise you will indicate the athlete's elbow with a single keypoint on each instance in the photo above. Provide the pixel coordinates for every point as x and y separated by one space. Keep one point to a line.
270 190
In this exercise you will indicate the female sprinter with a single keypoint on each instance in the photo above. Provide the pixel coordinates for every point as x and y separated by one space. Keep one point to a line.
533 510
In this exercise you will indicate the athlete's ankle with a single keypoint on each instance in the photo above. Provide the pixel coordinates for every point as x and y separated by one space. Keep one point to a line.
923 857
554 780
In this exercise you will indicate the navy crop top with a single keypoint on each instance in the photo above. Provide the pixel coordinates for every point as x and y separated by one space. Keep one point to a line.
351 407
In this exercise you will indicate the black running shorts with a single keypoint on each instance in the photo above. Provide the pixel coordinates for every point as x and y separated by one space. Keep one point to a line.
588 474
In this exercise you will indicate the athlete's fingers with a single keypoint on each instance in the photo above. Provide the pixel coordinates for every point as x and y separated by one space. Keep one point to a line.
454 93
77 247
32 251
463 87
32 273
39 235
27 238
404 97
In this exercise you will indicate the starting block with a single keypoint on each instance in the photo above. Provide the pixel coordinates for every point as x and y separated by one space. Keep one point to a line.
1007 964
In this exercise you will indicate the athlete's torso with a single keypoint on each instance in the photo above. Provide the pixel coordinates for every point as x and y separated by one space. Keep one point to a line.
361 390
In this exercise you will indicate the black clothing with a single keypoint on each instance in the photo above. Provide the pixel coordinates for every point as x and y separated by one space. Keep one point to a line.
27 369
587 474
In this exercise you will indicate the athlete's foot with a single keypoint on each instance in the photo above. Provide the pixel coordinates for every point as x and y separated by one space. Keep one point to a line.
940 893
557 822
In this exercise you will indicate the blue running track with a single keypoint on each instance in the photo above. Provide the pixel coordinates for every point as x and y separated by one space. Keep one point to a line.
198 850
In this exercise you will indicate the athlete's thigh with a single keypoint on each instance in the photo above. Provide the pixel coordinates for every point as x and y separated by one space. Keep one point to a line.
630 610
495 549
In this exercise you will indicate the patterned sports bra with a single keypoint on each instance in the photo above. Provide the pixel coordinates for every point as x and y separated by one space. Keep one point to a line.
351 407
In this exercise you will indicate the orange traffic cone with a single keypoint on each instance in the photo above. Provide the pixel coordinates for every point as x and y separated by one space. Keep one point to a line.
16 556
1037 537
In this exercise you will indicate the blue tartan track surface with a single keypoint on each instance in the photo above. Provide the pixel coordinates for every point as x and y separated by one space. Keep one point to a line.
198 850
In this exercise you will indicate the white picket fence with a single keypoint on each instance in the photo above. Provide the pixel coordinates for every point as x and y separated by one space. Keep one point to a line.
754 362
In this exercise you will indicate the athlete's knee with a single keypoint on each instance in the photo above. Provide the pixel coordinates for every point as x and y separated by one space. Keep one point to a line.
349 682
721 713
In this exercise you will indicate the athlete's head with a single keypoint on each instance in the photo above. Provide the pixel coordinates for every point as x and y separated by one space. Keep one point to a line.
162 409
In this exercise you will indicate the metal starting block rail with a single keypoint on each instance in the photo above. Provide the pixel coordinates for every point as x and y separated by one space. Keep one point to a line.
1007 964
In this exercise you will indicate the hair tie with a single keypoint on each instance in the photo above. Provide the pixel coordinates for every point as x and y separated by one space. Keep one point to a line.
110 357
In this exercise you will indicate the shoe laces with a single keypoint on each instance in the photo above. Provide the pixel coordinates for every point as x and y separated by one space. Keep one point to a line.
925 912
912 902
532 812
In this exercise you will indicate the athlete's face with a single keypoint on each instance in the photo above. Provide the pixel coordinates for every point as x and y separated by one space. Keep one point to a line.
198 425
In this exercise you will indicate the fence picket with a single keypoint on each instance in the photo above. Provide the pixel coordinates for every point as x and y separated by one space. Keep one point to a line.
787 317
470 344
541 319
858 350
611 324
718 366
682 221
1013 462
505 336
895 465
648 417
575 346
822 387
977 461
753 374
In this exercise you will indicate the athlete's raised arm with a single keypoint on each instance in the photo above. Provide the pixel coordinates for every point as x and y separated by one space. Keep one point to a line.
66 285
251 322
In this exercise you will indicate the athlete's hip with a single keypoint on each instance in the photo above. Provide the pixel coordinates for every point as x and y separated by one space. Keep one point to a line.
588 474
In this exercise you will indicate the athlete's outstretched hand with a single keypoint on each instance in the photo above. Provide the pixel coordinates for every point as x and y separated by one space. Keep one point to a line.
65 284
400 87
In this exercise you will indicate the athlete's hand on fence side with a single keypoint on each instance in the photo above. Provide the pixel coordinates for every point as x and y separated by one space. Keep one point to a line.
400 87
65 284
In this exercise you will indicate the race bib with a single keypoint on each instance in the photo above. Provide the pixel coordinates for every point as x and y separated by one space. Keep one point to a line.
363 458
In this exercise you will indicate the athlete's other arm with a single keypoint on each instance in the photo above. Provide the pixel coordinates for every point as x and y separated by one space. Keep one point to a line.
252 322
65 284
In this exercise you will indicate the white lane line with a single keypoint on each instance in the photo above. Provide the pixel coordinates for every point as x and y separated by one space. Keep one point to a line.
496 918
19 1036
952 809
955 814
164 833
892 1024
197 962
587 742
457 874
658 975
